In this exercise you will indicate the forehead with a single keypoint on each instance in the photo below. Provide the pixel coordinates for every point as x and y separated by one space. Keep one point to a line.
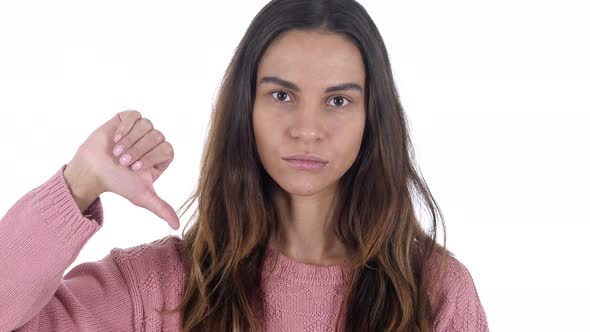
312 57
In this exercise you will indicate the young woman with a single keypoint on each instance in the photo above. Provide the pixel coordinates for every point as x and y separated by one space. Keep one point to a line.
306 205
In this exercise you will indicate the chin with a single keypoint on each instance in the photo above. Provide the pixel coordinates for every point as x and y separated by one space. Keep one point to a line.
301 187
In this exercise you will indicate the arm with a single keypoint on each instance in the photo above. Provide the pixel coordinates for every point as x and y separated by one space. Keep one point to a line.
456 302
40 236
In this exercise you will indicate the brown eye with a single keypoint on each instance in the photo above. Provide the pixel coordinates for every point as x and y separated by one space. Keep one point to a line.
340 101
281 95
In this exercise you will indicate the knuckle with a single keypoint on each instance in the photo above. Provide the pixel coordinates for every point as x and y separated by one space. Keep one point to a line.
127 119
146 123
138 198
158 136
167 148
134 113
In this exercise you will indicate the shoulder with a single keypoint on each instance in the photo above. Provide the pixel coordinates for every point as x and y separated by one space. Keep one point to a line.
455 301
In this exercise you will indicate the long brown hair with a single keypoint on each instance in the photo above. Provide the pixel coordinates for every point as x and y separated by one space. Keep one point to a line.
375 215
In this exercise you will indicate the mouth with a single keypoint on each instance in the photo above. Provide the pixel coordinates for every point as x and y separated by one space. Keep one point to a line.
307 162
305 157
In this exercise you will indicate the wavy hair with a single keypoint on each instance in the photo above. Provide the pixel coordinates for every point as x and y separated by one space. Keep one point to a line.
375 211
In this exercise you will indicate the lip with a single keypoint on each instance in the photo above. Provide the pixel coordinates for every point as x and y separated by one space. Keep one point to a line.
305 157
306 162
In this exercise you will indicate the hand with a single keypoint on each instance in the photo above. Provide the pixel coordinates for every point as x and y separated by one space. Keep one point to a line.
103 170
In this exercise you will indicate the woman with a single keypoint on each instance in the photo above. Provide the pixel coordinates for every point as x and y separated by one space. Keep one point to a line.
305 217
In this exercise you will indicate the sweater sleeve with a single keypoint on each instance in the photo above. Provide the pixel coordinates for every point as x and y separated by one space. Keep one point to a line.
40 236
456 302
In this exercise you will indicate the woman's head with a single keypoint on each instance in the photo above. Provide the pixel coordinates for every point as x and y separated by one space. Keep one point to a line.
309 99
360 131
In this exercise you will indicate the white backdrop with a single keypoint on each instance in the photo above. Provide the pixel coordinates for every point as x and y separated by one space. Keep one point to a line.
496 94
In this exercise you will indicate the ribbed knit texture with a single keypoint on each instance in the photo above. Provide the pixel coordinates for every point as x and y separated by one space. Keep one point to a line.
43 232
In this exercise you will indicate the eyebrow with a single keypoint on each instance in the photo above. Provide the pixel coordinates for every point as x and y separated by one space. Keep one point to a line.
293 86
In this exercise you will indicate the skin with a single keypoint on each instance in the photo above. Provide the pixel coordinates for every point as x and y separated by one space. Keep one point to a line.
310 121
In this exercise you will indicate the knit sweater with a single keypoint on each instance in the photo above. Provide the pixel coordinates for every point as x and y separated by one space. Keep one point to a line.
44 231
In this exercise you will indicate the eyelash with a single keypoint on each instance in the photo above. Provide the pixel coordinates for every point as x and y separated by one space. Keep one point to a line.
283 102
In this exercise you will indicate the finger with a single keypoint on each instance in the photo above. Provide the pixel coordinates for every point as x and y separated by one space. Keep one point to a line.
127 119
159 169
145 144
140 129
152 202
161 154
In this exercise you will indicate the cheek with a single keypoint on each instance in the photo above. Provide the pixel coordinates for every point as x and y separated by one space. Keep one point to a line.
349 142
263 120
264 133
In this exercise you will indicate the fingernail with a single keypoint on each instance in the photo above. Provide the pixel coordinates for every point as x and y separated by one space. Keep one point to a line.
125 159
118 137
137 165
118 149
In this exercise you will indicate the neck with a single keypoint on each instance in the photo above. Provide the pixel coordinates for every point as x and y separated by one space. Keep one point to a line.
305 230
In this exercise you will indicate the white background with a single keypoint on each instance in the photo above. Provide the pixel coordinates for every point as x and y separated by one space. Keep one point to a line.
496 93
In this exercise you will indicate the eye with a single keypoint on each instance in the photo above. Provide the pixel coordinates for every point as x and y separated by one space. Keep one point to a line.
282 93
343 99
343 102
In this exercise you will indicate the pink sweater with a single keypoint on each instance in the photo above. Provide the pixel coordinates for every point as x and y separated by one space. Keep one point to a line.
43 233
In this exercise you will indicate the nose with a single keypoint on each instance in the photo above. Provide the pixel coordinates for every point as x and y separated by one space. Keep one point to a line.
307 124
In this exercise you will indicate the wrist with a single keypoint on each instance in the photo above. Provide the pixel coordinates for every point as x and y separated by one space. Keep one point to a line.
81 186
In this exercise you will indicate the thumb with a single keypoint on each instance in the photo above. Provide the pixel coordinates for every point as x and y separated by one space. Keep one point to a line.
152 202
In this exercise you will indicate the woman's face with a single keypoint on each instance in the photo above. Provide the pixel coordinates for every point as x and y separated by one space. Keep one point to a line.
296 112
